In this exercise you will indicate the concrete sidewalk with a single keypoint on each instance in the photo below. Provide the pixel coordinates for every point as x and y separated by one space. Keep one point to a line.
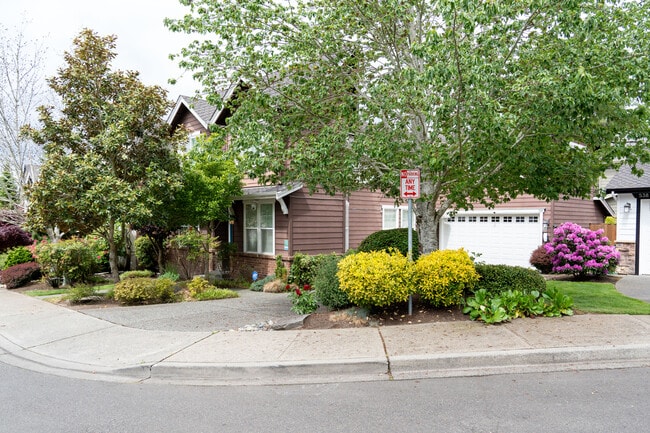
52 339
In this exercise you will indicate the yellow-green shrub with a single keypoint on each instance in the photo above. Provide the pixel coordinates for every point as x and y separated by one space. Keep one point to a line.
375 278
144 291
442 276
198 285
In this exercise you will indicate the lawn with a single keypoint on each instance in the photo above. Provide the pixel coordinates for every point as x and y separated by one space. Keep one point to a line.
602 298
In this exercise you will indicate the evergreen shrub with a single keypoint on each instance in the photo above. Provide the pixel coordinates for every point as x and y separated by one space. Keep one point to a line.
385 240
18 255
134 291
443 276
326 284
376 278
499 278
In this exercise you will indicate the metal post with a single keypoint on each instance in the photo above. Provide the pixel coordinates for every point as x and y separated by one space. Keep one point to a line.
410 241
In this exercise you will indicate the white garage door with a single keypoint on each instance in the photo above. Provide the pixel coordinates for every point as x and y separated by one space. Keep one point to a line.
500 236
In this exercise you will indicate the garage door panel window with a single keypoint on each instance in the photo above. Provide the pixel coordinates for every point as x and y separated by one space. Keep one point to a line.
259 228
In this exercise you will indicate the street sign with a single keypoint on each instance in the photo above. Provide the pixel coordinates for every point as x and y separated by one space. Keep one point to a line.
410 184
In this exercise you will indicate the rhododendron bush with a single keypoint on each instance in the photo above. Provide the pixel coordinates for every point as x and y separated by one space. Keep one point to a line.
581 252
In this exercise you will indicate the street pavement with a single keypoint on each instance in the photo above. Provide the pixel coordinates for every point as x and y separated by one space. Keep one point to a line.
219 343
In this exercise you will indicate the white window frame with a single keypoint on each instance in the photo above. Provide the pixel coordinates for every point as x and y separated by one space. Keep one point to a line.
401 217
192 138
258 208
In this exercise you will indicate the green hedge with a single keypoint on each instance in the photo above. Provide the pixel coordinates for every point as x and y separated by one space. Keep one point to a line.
384 240
499 278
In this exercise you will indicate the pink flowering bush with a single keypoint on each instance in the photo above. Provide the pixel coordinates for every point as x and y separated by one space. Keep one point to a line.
581 252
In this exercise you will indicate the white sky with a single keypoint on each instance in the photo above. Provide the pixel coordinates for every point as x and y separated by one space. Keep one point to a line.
143 42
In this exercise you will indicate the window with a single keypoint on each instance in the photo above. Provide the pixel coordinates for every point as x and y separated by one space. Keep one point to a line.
452 219
507 219
259 224
396 217
191 140
495 219
520 219
533 219
461 219
483 219
471 219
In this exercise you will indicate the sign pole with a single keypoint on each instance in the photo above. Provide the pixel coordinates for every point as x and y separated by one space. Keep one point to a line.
410 189
410 241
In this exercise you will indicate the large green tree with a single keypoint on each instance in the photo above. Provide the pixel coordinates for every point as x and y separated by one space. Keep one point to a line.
109 156
490 99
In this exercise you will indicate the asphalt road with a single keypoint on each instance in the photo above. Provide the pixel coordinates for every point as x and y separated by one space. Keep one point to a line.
589 401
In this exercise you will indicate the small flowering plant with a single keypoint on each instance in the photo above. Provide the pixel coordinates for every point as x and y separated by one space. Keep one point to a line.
303 300
581 252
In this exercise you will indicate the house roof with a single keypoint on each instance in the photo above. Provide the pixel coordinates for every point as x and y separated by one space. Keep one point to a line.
273 191
626 181
199 108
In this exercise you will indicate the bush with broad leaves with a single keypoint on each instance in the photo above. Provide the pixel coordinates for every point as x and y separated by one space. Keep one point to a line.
581 252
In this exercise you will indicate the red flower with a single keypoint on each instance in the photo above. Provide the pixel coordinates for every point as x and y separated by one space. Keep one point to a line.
307 287
287 287
298 292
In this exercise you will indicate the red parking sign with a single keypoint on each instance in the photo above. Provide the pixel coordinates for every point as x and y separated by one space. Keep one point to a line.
410 183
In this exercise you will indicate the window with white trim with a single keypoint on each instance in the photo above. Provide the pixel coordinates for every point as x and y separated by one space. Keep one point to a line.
259 227
396 217
192 138
520 219
533 219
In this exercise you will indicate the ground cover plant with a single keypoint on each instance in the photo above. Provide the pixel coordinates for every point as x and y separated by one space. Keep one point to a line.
598 297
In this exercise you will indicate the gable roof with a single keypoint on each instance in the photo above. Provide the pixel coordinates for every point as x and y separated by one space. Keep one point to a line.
626 181
200 109
206 113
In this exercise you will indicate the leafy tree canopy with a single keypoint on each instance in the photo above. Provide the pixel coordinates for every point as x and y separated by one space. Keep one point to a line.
109 156
490 99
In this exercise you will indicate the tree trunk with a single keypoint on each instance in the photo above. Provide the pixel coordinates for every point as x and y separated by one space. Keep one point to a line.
427 218
112 251
427 222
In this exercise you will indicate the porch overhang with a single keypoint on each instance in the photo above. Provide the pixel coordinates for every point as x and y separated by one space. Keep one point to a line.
275 192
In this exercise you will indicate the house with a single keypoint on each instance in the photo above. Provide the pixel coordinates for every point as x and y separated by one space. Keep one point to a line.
285 219
633 219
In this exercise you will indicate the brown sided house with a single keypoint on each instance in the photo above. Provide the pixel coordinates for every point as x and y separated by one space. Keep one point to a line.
285 219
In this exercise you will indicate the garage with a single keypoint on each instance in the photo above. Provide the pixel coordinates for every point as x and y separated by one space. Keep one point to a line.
506 236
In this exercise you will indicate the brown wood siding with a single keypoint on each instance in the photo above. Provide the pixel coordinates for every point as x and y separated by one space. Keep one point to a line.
191 123
317 223
365 214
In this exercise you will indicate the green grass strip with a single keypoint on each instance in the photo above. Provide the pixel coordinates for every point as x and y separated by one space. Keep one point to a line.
600 298
45 292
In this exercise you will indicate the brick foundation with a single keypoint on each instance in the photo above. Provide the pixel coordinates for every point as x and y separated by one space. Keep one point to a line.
243 265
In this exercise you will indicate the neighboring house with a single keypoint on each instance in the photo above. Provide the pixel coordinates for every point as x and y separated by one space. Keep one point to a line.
633 219
285 219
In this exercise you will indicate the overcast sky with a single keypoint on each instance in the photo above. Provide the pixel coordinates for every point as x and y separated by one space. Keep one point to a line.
143 42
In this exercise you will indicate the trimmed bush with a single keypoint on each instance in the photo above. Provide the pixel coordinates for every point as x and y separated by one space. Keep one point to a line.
541 260
145 253
443 276
499 278
13 236
198 285
581 252
18 255
135 274
326 284
384 240
375 278
134 291
20 275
